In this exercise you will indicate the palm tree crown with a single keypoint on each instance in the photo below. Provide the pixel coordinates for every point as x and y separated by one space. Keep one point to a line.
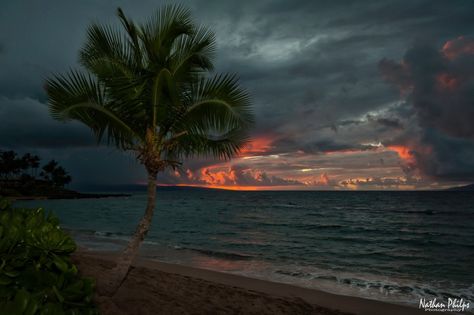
147 89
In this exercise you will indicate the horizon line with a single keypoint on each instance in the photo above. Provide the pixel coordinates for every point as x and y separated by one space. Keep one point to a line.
273 188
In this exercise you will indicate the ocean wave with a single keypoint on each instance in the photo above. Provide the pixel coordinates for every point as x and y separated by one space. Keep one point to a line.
78 231
311 227
365 241
406 290
435 212
272 224
110 234
218 254
287 205
427 211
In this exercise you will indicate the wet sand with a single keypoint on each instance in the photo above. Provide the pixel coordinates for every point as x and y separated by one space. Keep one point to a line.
159 288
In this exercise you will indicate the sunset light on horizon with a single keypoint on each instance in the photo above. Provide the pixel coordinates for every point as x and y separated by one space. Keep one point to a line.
394 114
237 157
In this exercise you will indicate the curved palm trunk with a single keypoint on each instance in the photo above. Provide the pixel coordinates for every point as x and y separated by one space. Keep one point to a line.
119 273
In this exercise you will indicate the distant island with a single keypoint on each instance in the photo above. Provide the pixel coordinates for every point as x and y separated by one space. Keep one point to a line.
469 187
23 177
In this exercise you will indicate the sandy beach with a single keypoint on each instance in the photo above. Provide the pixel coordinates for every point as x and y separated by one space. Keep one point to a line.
158 288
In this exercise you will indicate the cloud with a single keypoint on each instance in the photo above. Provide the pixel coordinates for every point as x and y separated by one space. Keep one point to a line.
258 145
446 157
457 47
26 124
381 183
438 84
393 123
331 146
230 176
310 67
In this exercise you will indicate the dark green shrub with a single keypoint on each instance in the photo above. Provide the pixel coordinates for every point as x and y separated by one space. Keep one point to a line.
36 274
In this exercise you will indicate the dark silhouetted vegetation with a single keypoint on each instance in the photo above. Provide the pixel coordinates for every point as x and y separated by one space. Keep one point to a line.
55 174
22 178
15 167
36 272
19 175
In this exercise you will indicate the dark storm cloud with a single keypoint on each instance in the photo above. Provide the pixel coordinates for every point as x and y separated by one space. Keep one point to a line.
320 146
439 85
311 66
385 120
332 68
394 123
450 158
26 124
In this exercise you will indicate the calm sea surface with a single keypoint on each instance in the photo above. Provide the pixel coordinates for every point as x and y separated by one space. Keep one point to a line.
393 246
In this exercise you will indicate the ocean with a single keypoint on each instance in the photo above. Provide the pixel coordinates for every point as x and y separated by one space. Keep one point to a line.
390 246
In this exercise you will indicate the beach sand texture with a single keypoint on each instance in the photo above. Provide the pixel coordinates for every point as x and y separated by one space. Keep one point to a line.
158 288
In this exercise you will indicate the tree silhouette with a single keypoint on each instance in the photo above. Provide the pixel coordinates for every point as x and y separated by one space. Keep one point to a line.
147 88
59 177
10 164
32 163
20 172
48 169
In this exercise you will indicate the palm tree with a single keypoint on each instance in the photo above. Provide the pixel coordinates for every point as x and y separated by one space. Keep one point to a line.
148 89
48 170
34 164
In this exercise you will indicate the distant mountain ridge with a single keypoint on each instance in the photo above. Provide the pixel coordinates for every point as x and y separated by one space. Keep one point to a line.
469 187
130 188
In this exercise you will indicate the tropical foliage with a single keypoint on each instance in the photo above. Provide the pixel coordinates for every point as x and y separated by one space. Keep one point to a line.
24 168
147 88
55 174
36 273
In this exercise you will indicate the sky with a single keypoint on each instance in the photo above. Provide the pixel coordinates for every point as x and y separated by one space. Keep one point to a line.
361 95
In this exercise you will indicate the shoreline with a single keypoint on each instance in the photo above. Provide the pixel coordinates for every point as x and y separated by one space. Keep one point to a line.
236 290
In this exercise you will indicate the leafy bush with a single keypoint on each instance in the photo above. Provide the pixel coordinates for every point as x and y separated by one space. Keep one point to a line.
36 273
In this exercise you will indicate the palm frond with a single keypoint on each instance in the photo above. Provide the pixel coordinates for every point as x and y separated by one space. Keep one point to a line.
159 32
107 53
217 105
193 54
165 98
224 146
76 96
151 79
133 36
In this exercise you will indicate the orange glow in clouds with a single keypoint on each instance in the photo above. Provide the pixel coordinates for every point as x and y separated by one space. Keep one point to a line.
324 179
446 81
218 178
244 176
403 152
345 151
458 46
230 187
257 146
